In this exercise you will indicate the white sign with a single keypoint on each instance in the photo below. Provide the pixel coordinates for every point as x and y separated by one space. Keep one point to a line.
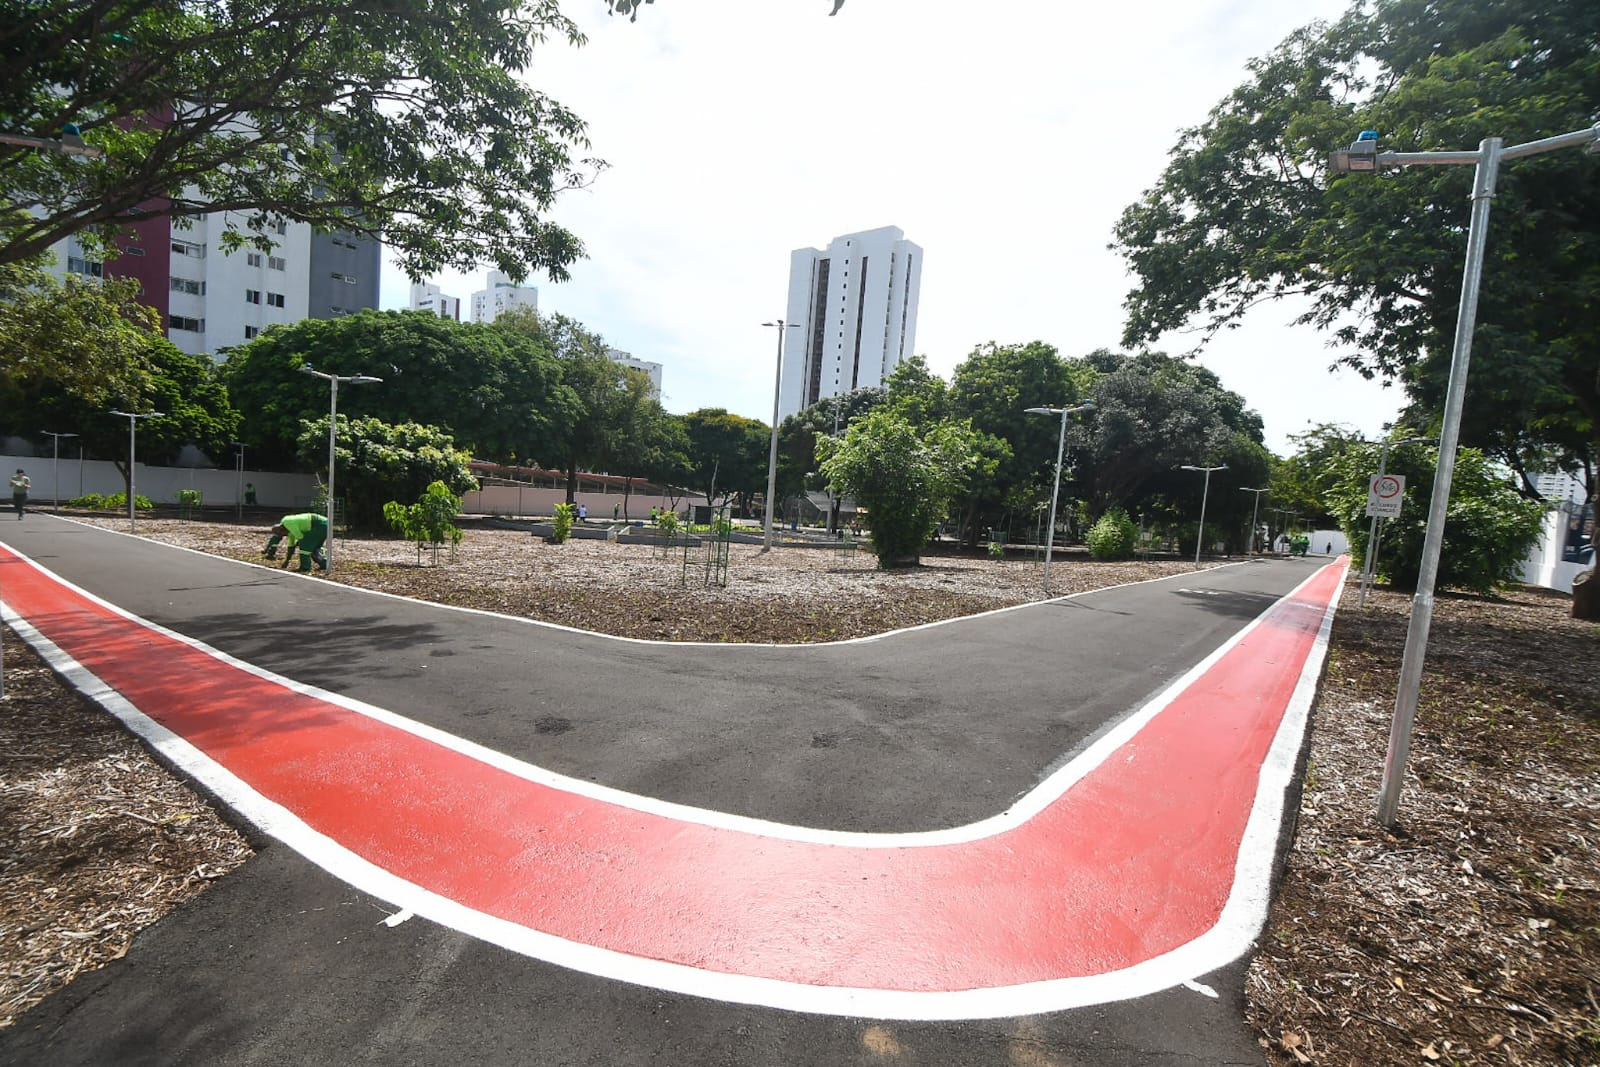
1383 495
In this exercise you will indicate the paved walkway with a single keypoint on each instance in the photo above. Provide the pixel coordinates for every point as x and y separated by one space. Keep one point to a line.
1008 842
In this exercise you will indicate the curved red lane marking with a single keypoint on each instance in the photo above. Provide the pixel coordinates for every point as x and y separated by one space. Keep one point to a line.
1134 860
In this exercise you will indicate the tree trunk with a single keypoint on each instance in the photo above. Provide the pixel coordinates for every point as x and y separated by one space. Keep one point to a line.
1586 596
572 483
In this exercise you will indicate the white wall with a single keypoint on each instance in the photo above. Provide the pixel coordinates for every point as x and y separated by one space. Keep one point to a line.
1544 565
529 500
160 484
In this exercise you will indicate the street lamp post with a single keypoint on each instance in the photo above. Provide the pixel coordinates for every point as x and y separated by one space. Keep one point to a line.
1205 493
772 452
238 483
70 143
1055 487
1364 156
1376 529
55 466
333 381
133 421
1254 512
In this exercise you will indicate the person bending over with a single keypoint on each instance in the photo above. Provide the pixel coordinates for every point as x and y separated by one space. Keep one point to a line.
307 532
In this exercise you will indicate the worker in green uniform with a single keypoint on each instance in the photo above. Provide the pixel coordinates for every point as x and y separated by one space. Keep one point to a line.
306 533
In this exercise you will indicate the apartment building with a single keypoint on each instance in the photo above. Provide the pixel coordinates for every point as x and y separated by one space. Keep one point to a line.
502 295
428 297
855 304
653 370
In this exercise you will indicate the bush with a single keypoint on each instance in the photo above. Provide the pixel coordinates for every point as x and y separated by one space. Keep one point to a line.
431 520
667 522
110 502
1114 536
561 525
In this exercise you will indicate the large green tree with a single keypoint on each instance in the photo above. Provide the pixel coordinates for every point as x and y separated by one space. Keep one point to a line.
727 454
376 462
497 391
399 119
798 434
905 478
81 334
1246 211
184 388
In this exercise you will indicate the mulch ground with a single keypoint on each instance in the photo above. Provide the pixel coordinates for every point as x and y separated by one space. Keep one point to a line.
1469 936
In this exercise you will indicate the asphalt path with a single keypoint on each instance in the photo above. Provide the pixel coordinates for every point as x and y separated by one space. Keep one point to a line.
918 730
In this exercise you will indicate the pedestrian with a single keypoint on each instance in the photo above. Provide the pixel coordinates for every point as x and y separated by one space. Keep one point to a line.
616 511
1329 550
583 512
250 494
307 532
19 492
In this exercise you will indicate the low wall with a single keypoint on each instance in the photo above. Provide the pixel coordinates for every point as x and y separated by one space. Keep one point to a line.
533 500
161 484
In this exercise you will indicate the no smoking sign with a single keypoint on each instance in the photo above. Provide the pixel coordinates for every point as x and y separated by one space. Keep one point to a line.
1384 493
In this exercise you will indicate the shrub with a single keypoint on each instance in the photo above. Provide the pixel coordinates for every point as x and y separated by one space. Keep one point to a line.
667 522
431 520
110 501
1114 536
561 525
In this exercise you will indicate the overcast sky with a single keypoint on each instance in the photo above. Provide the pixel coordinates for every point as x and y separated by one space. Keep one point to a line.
1004 138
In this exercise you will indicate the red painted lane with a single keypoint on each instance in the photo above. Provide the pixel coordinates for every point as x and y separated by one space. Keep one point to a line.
1134 860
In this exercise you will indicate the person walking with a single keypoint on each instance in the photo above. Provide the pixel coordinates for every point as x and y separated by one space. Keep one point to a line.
307 532
19 492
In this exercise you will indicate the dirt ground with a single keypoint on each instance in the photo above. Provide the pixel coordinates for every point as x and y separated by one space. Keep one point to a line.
1472 936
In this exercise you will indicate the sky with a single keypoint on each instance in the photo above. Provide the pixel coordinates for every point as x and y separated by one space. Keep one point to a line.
1005 139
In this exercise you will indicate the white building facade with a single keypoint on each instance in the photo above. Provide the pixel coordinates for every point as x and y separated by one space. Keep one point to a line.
427 297
855 304
653 370
502 295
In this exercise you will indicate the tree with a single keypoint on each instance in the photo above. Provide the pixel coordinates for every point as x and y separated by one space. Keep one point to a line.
1246 211
1153 414
797 437
496 391
376 462
644 439
991 389
905 479
395 120
1302 482
1488 530
84 335
194 406
727 453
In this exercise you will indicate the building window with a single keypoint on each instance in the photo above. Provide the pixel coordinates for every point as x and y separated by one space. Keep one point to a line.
252 259
275 300
252 296
335 310
280 227
187 285
79 265
348 279
345 242
250 332
181 322
275 263
133 250
188 248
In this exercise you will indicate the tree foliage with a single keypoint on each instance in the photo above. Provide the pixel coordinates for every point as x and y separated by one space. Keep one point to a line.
1488 529
184 388
1113 536
1246 211
431 520
906 479
727 454
397 119
82 334
497 392
376 462
797 436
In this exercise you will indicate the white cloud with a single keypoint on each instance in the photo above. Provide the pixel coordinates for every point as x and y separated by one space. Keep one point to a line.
1005 139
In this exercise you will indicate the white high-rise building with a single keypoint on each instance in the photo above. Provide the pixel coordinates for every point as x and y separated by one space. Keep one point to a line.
856 306
502 295
427 297
653 370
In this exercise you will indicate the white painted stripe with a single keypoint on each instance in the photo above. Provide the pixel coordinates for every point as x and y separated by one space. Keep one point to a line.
1241 917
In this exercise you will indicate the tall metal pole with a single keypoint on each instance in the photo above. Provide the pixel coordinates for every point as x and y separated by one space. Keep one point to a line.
1405 702
1254 512
133 421
333 426
772 451
55 466
1055 487
238 483
1372 534
1205 492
